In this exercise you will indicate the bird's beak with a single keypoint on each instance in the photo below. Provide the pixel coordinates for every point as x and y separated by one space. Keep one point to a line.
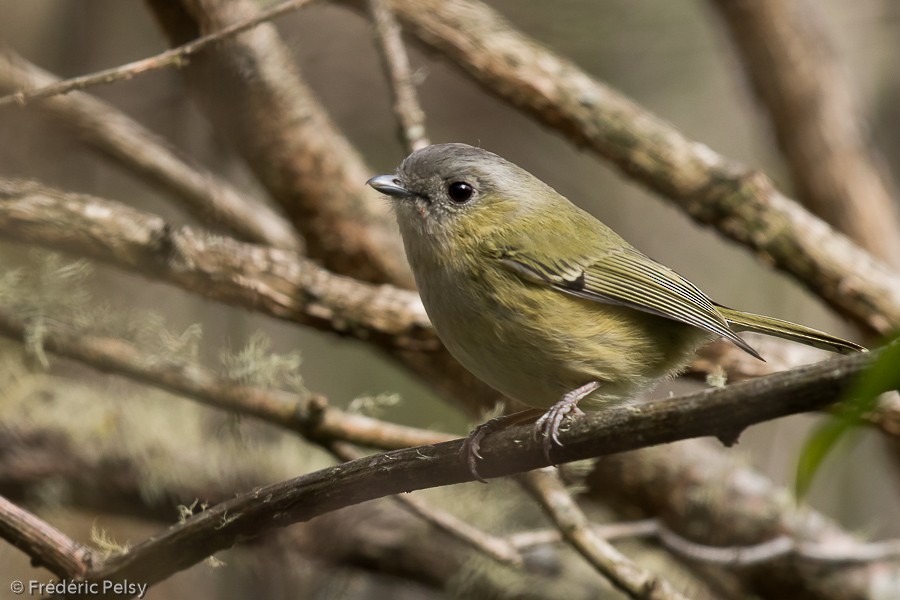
390 185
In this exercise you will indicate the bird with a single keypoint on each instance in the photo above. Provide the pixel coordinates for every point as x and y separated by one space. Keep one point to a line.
541 300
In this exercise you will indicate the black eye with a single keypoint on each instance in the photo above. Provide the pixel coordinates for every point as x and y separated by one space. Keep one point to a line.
460 191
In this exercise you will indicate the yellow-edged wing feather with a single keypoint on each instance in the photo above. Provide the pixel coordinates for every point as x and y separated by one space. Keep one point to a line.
625 277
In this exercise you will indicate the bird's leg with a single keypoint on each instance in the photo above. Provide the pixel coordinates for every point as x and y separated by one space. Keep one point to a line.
548 425
469 450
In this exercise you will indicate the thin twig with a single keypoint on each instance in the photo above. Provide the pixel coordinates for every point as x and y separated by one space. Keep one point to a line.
176 57
46 545
495 547
854 553
547 488
206 196
607 531
777 548
750 555
409 113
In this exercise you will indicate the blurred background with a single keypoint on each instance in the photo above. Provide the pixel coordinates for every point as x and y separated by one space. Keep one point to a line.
671 57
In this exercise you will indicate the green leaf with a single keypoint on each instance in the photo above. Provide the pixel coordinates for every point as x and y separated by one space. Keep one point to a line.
861 399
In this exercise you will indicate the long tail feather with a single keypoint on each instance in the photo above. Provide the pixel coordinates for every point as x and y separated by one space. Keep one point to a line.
744 321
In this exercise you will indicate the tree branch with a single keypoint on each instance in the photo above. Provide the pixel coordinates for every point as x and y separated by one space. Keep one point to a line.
740 203
176 57
46 545
792 67
107 481
616 429
277 282
252 93
206 196
546 487
379 536
310 415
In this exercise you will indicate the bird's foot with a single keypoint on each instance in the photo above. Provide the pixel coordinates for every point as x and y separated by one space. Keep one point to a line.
469 451
547 427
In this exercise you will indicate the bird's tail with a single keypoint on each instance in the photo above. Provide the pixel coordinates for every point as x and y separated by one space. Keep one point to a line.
744 321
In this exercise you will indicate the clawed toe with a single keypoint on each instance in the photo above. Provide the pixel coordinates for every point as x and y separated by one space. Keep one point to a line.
550 423
548 426
469 451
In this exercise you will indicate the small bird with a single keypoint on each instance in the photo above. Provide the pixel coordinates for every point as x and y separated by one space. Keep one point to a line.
542 301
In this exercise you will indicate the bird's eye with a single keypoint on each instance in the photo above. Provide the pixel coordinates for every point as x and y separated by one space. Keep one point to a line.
460 191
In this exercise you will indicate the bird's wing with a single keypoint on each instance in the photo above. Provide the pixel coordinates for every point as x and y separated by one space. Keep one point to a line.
626 277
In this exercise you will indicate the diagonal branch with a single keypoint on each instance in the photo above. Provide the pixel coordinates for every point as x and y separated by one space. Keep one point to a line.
109 482
176 57
547 488
46 545
252 93
792 67
205 195
740 203
309 415
277 282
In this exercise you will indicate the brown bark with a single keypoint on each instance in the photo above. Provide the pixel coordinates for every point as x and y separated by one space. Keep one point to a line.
793 69
206 196
251 91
